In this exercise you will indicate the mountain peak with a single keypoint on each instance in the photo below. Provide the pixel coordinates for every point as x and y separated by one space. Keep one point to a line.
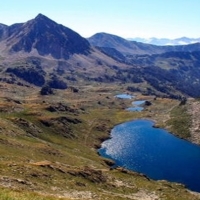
41 16
47 37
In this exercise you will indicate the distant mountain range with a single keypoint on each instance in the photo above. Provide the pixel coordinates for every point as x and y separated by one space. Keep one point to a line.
42 52
166 41
128 47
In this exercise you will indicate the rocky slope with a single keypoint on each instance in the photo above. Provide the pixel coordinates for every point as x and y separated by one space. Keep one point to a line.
45 36
193 110
41 52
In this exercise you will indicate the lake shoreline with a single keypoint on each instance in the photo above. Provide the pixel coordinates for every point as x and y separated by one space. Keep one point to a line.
116 164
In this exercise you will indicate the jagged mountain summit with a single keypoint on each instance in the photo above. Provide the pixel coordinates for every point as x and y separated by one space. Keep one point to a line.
43 35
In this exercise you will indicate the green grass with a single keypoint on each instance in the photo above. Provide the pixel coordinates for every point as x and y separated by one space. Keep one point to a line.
21 151
7 194
180 121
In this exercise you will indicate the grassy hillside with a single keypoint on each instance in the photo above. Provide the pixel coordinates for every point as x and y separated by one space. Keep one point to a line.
48 145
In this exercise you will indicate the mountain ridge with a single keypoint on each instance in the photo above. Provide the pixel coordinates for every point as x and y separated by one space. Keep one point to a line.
41 49
127 47
40 31
122 45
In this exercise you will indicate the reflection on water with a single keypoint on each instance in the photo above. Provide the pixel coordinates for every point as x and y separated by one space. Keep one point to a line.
138 146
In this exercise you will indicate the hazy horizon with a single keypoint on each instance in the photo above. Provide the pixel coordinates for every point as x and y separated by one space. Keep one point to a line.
128 18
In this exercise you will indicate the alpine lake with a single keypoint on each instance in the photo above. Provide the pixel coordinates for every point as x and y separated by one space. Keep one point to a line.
138 146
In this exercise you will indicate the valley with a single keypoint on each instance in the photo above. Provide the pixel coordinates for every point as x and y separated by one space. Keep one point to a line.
58 104
49 144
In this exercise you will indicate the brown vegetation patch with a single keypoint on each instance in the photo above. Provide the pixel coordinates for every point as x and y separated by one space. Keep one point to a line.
30 128
90 174
62 125
60 107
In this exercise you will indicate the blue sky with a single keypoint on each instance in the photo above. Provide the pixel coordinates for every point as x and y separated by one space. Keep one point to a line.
125 18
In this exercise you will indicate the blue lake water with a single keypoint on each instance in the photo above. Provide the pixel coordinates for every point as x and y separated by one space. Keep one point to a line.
137 146
124 96
137 106
138 103
134 109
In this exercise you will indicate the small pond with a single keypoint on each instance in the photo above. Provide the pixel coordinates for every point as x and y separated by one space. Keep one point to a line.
138 103
137 146
137 106
124 96
135 109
